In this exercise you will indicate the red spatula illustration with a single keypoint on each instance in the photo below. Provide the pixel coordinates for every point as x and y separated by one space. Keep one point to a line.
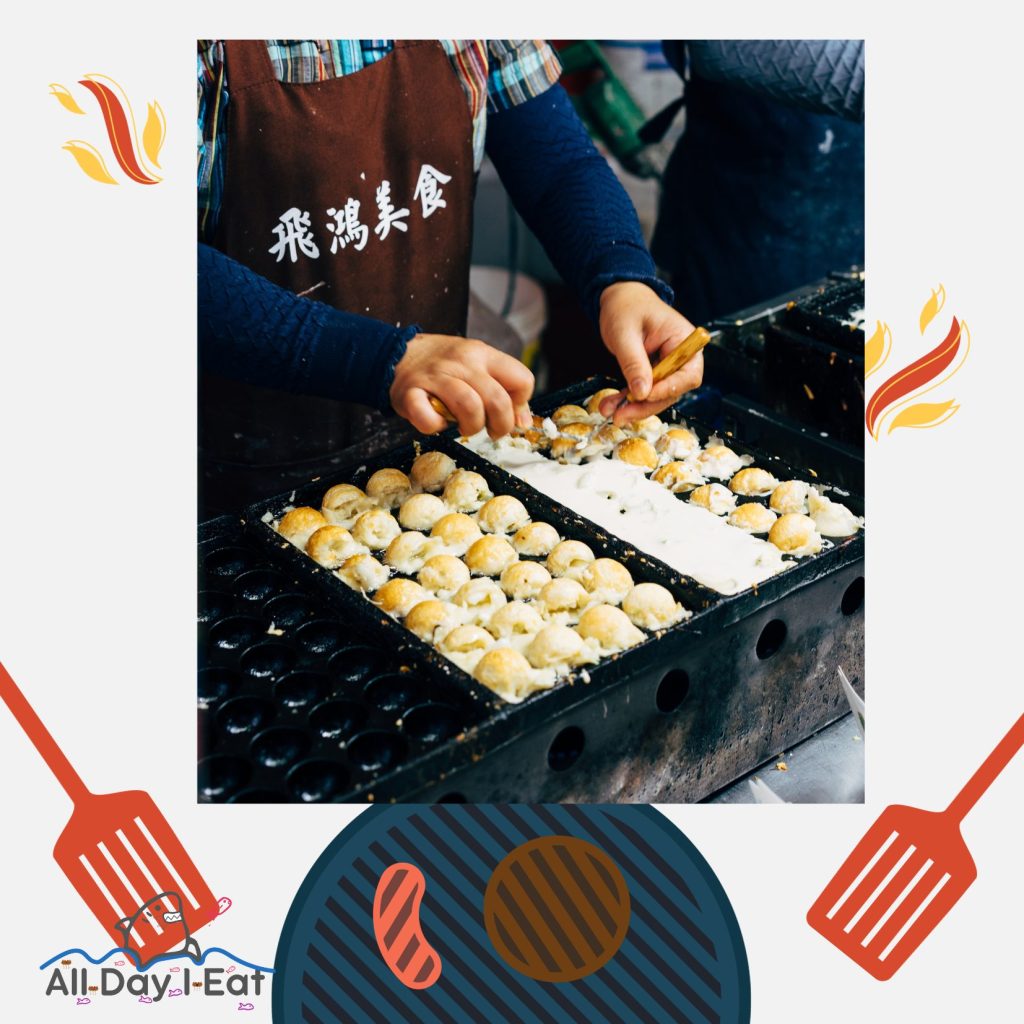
905 875
119 852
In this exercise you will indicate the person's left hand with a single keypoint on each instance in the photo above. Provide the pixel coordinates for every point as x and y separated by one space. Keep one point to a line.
635 324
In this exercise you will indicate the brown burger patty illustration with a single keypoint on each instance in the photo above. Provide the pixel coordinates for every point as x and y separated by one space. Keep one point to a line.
556 908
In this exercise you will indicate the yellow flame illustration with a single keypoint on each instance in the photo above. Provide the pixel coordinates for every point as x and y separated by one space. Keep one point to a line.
924 414
66 100
89 159
932 307
153 132
965 333
877 349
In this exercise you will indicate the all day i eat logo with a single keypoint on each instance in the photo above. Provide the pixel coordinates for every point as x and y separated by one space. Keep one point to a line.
124 860
184 972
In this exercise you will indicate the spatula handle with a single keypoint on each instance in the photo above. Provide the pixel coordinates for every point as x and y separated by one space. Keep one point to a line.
986 774
40 737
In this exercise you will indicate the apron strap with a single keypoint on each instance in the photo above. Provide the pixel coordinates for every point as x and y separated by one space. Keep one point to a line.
248 63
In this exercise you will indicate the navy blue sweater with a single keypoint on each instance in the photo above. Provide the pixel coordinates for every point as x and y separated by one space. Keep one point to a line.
257 332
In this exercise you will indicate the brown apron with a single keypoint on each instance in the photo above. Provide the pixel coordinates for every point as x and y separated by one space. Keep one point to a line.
364 183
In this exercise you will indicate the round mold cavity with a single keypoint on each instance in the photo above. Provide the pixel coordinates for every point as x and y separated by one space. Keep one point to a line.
337 719
300 689
432 723
395 691
772 637
321 636
316 781
236 632
672 690
221 775
215 685
853 597
259 584
243 715
357 664
260 796
279 747
213 605
266 661
376 751
230 561
566 748
289 610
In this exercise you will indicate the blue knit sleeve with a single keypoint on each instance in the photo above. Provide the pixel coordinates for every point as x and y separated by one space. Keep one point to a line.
569 197
254 331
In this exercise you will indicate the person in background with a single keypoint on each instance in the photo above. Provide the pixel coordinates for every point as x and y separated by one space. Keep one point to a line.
336 182
765 188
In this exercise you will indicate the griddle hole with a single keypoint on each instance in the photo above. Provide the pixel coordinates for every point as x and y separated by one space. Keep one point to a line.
212 606
244 714
321 637
357 664
376 751
229 561
853 597
288 610
672 690
259 584
452 798
566 748
337 719
432 723
215 685
235 632
314 781
772 637
395 692
260 796
220 776
276 748
266 660
300 689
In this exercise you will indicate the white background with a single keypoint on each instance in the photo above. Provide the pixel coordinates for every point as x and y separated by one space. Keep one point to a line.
97 435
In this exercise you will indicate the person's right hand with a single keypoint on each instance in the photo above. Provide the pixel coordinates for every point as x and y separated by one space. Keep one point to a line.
480 386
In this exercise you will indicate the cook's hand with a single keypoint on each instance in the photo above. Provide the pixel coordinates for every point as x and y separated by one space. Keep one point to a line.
480 385
635 324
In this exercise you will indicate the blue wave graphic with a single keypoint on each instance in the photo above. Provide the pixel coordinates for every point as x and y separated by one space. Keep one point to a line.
130 954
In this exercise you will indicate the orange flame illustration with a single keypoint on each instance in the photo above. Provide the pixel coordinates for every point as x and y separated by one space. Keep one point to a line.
899 394
136 158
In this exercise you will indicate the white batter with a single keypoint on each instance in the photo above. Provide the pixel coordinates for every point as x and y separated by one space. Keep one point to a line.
622 500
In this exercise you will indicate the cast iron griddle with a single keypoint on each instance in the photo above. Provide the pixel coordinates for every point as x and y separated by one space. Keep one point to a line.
346 704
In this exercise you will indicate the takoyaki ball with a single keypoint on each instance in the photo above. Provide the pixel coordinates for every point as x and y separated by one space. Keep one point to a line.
388 487
431 470
376 529
523 581
609 627
795 534
456 531
714 497
536 539
752 518
503 514
298 525
489 555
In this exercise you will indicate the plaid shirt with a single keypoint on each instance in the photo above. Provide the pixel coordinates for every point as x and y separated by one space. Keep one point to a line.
495 74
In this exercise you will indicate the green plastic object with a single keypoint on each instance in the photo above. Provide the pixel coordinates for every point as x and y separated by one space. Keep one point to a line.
608 110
